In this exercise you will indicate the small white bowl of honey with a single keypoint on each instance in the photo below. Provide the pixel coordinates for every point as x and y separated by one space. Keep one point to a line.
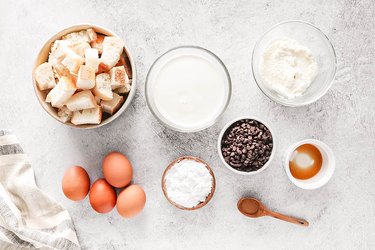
309 164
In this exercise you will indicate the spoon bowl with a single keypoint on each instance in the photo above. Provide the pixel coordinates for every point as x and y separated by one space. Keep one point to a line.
251 207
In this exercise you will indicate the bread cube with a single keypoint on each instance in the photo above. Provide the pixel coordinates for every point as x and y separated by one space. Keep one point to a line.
102 87
64 114
59 50
119 78
98 43
92 58
112 50
113 105
63 90
57 55
55 45
79 48
92 34
87 116
81 100
125 62
44 76
86 77
88 36
72 62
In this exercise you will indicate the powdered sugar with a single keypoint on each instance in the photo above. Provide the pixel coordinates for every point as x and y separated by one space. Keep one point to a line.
188 183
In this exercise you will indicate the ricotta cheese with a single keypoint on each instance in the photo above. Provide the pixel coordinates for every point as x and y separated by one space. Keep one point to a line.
288 67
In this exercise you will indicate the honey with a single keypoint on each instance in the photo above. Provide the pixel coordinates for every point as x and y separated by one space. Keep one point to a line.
305 162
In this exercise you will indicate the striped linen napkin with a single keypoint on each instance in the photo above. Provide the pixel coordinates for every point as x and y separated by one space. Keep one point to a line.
29 219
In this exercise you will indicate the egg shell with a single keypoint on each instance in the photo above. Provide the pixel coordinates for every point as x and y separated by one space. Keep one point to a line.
131 201
75 183
102 196
117 169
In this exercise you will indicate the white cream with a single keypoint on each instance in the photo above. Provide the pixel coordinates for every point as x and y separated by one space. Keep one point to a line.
288 67
189 88
188 183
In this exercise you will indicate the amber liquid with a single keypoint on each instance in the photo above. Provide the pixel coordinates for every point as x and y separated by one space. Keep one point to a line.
306 162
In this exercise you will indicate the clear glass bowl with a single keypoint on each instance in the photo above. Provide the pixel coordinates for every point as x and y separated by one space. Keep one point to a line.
311 37
161 61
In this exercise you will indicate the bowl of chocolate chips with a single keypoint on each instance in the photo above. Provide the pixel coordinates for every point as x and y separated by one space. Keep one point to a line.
246 145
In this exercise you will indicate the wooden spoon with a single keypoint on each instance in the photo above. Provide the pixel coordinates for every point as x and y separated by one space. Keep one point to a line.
253 208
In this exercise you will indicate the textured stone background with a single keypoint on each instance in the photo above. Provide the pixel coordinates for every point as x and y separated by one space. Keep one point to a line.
341 213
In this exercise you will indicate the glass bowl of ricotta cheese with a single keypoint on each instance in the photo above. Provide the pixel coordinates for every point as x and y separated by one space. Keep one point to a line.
294 63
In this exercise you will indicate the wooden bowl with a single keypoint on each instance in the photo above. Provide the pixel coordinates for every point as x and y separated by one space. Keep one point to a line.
208 198
43 57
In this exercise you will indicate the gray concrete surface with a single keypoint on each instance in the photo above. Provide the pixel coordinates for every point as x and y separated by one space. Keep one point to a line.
342 214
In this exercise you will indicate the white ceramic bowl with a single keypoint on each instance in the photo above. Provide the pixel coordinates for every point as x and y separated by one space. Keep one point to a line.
221 137
43 57
326 171
322 49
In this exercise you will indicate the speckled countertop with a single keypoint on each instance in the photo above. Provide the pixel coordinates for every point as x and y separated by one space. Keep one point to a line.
341 213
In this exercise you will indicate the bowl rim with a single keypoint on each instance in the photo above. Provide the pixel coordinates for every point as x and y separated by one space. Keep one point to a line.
306 102
208 198
329 174
228 97
224 129
73 28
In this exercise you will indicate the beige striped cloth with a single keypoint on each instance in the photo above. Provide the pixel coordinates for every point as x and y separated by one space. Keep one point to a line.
29 219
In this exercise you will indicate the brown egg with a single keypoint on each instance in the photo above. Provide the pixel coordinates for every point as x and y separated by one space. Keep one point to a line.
75 183
102 196
117 169
131 201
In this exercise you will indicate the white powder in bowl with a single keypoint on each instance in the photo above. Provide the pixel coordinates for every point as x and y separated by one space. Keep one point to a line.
188 183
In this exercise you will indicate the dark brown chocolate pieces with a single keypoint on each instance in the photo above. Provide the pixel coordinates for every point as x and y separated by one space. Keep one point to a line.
247 145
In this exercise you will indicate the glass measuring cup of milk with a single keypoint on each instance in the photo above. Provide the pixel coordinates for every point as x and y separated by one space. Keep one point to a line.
188 88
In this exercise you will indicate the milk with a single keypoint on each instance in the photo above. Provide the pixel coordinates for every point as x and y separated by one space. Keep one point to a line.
189 88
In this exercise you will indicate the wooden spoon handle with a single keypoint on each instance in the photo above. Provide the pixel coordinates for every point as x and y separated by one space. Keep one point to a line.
283 217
